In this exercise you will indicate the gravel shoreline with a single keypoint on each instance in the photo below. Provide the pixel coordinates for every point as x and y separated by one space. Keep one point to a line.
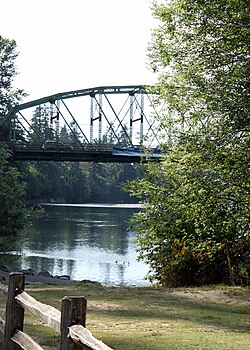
44 277
4 276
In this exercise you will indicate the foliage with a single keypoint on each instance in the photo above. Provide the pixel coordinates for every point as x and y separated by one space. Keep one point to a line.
195 225
8 95
75 182
13 215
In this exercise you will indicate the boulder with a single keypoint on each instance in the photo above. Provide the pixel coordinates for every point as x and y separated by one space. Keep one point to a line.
45 274
64 277
5 268
90 282
28 272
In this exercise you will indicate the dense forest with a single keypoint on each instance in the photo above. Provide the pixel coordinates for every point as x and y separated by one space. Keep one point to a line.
76 182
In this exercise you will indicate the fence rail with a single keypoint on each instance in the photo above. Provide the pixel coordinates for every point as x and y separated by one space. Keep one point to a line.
70 322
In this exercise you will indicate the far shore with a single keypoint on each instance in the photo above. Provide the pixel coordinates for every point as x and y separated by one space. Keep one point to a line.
96 205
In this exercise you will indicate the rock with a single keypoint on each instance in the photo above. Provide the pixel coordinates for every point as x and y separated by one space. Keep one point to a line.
5 268
64 277
90 282
45 274
28 272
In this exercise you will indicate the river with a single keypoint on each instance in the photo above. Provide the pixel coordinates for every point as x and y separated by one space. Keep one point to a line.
86 242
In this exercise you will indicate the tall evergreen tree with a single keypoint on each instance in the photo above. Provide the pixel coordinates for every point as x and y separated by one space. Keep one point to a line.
8 96
41 129
12 211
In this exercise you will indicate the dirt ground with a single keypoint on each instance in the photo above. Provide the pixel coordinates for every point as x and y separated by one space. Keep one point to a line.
228 296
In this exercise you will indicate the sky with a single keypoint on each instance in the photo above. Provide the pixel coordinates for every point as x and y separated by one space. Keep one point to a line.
69 45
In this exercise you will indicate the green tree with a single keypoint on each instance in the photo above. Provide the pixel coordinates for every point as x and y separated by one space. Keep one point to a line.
77 182
195 226
64 136
8 96
13 214
41 129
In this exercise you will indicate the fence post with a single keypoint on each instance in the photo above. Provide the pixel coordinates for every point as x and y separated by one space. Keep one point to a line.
73 311
14 312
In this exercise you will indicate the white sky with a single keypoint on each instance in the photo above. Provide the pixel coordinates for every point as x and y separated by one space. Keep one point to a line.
68 45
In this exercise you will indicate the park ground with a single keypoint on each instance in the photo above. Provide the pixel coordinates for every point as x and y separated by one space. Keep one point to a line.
152 318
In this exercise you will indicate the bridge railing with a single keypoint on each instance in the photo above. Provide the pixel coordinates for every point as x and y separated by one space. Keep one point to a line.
62 147
70 322
121 115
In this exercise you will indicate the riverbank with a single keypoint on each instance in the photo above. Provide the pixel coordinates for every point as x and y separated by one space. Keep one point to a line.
96 205
85 243
29 279
42 277
147 318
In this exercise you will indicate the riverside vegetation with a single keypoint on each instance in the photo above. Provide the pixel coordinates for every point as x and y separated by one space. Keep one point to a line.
193 228
151 318
195 224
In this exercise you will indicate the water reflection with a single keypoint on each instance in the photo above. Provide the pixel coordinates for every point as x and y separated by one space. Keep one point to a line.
85 243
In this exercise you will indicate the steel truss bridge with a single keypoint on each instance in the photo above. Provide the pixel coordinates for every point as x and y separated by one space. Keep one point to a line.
102 124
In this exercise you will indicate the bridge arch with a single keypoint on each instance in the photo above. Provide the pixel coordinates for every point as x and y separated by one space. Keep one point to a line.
84 124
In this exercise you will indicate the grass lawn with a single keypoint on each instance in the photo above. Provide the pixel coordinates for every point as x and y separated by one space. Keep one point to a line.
216 318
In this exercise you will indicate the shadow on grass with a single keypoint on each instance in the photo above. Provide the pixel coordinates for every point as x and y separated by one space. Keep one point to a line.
152 304
168 308
125 342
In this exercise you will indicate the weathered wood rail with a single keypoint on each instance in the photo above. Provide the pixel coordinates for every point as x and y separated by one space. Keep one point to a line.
70 322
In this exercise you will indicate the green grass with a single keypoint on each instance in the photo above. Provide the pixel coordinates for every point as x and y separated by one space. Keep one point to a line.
216 318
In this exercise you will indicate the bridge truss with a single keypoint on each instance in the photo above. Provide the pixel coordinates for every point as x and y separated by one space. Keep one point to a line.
85 125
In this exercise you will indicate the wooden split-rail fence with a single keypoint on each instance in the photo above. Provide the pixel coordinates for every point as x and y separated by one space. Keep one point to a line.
70 322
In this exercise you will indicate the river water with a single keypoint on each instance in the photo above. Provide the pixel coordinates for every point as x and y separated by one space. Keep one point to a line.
86 242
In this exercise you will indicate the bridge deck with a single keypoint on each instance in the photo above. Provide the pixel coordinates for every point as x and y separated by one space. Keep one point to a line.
73 156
